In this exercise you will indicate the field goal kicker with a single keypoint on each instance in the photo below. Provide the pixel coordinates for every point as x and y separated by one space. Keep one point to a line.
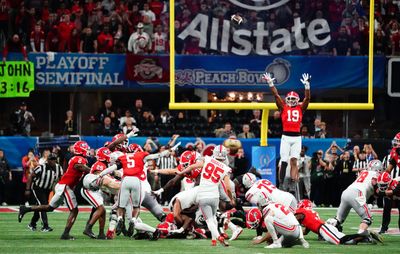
264 106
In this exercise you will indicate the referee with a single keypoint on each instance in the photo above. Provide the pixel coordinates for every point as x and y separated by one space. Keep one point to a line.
40 183
389 203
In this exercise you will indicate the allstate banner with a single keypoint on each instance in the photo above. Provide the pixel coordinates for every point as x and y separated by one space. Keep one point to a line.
72 70
264 160
244 73
147 69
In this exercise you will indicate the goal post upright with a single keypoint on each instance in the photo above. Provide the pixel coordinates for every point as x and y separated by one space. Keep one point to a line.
265 107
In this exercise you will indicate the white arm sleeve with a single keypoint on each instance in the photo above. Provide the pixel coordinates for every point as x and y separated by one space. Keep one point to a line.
108 170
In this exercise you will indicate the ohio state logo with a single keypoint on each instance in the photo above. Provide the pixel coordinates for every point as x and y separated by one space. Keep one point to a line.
259 5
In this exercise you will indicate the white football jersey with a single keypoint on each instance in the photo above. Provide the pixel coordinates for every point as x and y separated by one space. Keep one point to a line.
363 182
186 198
212 173
268 191
109 190
281 213
145 183
187 184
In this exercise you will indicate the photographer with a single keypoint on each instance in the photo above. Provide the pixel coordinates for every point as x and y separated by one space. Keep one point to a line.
318 166
22 120
344 169
5 176
331 198
304 174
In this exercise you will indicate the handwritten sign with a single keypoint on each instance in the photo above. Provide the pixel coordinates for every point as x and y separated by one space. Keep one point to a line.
17 79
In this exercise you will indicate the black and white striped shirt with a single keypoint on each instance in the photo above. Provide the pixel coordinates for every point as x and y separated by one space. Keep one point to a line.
167 162
360 164
395 171
46 177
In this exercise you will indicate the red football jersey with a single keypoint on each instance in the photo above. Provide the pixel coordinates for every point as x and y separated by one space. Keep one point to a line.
98 166
133 164
394 157
192 174
311 219
72 176
291 118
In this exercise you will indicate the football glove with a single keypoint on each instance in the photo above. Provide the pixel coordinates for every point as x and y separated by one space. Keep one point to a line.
270 80
306 80
158 192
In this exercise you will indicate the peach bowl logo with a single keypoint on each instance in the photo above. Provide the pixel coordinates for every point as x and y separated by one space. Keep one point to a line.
259 5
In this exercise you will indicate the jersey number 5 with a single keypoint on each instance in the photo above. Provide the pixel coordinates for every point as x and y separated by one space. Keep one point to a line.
293 115
131 161
212 172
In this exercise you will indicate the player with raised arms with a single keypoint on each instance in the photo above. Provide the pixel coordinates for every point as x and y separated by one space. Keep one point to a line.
291 115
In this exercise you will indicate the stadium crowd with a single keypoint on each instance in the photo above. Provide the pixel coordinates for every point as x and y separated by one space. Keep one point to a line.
112 26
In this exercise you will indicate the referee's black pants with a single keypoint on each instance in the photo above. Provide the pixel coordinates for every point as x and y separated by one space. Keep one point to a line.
42 198
387 208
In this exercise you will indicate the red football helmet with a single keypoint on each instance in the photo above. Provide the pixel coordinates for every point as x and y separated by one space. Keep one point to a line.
305 203
292 99
133 148
106 143
124 144
97 167
103 154
81 147
187 158
253 218
396 140
384 179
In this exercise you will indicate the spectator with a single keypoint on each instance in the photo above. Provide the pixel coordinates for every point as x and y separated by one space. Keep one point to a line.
255 122
160 41
356 152
139 42
380 42
246 132
240 164
137 111
65 28
199 146
5 177
147 12
74 42
37 39
69 124
4 18
148 117
14 45
108 5
370 152
344 169
45 156
127 116
318 166
165 117
29 162
22 120
128 126
275 125
225 132
107 128
134 17
304 132
321 133
53 40
148 26
330 179
105 41
88 41
342 43
105 111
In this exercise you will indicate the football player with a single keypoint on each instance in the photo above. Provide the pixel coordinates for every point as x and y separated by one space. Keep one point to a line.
291 114
390 189
213 173
64 188
278 220
131 186
356 196
267 191
311 221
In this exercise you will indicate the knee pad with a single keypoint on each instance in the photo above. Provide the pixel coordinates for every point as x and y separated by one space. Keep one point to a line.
367 221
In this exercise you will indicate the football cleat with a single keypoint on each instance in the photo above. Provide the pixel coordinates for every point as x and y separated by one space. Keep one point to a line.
221 240
67 237
225 235
200 233
274 246
156 235
22 211
131 227
89 233
118 229
32 227
46 229
213 242
102 237
236 233
377 237
304 243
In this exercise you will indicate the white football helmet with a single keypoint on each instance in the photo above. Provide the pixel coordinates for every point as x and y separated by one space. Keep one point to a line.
248 180
220 153
90 182
375 165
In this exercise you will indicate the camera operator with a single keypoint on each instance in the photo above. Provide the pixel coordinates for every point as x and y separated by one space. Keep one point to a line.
318 166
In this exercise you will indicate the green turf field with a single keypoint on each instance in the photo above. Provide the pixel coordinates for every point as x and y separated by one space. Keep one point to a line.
17 238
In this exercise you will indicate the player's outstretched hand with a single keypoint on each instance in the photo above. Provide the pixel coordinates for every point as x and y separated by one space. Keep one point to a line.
268 78
306 80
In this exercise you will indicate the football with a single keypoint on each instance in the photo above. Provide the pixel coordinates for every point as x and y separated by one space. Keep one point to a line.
236 19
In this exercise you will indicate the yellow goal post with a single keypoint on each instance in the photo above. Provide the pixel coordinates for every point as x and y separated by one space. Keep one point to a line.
265 107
